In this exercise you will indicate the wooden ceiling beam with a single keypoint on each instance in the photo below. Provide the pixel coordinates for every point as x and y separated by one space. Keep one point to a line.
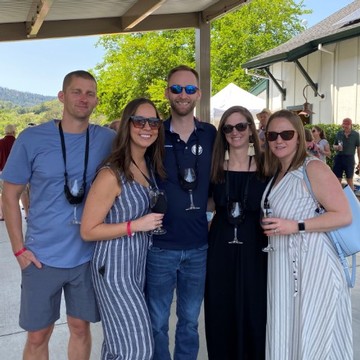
139 12
36 16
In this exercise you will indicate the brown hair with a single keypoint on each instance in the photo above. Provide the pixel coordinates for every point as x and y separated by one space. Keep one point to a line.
321 131
120 158
77 73
182 68
308 135
220 145
272 163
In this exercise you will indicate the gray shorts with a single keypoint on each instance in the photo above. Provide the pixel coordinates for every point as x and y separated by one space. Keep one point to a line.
41 291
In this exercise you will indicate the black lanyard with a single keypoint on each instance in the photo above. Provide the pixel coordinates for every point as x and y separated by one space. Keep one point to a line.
266 201
177 158
150 182
86 159
246 190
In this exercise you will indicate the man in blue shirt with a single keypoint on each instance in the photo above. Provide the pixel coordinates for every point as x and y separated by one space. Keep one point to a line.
177 260
54 158
346 142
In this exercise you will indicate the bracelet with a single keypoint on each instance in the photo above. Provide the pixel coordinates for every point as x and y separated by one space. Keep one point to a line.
128 229
18 253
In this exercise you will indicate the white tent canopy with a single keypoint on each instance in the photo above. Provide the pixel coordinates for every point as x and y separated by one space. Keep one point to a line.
232 95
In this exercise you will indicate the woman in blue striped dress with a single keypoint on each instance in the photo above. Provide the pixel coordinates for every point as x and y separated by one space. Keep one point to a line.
116 215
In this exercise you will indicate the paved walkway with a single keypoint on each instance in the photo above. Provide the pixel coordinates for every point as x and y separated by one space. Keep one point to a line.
12 337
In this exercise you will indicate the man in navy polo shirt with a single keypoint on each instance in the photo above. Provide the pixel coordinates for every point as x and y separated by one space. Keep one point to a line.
177 260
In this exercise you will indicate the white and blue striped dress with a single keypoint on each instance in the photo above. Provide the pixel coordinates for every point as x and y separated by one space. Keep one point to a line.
118 269
308 300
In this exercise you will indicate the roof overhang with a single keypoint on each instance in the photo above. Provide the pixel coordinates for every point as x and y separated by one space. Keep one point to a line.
43 19
301 51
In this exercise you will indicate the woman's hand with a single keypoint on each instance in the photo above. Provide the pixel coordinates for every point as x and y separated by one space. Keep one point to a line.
147 223
277 226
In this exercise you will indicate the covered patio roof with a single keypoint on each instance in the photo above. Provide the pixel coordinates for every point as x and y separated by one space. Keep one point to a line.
46 19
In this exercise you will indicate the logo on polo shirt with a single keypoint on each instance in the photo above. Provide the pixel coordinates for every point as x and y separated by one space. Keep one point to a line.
200 149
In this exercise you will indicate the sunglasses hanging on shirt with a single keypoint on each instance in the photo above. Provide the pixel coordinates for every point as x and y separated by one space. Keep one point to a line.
74 199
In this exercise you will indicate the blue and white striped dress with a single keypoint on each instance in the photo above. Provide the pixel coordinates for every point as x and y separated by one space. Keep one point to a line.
118 269
308 300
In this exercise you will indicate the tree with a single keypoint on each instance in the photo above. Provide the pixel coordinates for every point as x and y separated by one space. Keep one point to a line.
136 65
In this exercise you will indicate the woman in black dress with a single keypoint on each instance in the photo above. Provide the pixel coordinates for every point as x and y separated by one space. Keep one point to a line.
235 296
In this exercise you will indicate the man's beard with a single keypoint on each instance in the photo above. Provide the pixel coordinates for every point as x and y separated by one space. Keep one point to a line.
181 110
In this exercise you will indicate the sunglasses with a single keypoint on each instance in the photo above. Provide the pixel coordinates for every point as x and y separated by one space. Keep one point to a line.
74 199
313 130
140 121
242 126
189 89
285 135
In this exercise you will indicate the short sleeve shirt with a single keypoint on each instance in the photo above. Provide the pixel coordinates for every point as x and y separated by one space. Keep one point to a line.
36 158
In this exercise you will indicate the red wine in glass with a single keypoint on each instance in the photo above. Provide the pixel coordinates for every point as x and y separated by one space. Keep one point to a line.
158 204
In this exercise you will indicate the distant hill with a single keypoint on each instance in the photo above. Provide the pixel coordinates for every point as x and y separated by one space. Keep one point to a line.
20 98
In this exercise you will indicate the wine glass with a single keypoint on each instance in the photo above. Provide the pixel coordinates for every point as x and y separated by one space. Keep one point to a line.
235 217
266 213
75 190
158 204
189 183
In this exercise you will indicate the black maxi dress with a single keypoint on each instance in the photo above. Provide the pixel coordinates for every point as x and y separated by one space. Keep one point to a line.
235 295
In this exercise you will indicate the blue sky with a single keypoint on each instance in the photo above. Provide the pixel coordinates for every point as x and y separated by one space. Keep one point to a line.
39 66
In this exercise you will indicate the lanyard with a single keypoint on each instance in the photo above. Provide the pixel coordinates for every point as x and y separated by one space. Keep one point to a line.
177 158
266 201
150 182
246 190
86 158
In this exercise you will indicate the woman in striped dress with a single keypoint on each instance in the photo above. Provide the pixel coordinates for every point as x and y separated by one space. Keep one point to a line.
120 195
308 300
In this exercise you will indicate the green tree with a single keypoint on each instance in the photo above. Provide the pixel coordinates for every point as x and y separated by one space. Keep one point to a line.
136 64
240 35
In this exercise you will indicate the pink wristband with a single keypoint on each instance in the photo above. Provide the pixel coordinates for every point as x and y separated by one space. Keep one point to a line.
18 253
128 228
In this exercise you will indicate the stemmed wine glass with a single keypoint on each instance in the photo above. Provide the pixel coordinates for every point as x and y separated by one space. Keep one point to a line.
189 183
266 213
75 190
235 217
158 204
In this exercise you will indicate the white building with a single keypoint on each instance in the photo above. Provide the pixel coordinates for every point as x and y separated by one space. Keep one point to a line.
326 57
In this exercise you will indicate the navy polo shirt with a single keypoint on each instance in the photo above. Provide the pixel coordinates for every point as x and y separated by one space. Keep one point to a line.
186 229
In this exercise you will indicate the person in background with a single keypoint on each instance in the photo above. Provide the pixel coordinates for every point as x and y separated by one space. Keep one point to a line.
307 289
263 117
114 125
311 147
235 292
346 142
58 159
120 195
320 140
6 144
177 259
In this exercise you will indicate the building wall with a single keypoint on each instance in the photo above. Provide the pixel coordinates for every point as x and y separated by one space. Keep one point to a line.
337 72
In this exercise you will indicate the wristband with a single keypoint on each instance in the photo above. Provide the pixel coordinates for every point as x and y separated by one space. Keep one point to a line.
128 229
18 253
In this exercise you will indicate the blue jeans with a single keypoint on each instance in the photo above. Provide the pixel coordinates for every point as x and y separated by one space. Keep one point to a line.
184 270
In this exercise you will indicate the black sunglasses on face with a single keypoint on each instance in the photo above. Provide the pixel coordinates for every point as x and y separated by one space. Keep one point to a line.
189 89
140 121
285 135
313 130
242 126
